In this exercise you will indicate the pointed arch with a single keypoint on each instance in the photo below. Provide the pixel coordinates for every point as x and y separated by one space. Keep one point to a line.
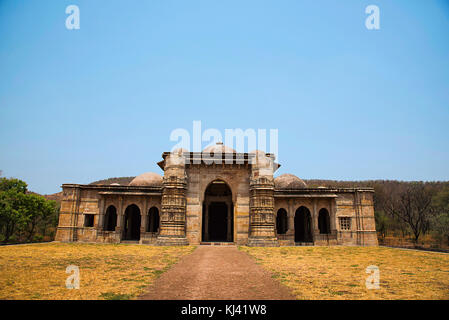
153 220
110 219
303 225
324 221
281 221
132 220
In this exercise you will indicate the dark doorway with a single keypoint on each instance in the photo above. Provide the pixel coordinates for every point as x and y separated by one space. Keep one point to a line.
324 221
153 220
131 230
218 226
218 213
110 219
281 221
303 225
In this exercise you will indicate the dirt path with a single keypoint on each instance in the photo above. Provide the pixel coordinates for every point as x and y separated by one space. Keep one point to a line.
217 273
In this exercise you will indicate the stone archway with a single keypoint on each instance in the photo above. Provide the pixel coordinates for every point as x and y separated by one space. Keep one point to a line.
218 220
131 225
281 221
303 225
153 220
324 221
110 221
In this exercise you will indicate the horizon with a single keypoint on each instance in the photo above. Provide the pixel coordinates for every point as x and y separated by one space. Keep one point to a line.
349 104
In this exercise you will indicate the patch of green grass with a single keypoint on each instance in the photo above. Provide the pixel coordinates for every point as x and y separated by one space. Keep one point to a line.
158 273
115 296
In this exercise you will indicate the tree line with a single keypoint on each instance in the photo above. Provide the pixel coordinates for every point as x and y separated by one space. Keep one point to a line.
25 216
405 208
408 209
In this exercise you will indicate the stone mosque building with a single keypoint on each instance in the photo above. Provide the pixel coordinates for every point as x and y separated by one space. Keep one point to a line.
217 196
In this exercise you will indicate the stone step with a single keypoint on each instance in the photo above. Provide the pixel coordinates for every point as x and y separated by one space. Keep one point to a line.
217 243
130 241
304 244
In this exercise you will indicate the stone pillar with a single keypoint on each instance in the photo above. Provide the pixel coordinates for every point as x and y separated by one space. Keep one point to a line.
120 214
143 219
100 223
262 217
333 216
229 221
206 221
173 213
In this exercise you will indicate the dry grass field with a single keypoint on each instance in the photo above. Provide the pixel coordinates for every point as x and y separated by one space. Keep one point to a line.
340 272
107 271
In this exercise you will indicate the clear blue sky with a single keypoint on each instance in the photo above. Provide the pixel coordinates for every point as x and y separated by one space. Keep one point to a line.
99 102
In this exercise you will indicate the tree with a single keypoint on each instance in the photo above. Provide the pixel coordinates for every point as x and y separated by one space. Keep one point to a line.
13 184
22 212
12 212
382 223
37 211
412 205
441 221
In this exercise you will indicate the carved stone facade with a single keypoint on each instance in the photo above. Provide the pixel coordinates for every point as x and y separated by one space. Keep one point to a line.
217 195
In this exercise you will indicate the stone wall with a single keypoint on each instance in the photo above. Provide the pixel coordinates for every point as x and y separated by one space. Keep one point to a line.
198 179
79 201
355 206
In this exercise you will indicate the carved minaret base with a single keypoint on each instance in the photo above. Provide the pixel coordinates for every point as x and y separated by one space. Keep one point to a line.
262 219
173 213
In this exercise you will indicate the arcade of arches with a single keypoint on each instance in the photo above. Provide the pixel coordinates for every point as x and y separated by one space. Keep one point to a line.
217 195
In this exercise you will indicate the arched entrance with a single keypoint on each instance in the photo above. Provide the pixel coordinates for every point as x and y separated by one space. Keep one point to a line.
110 219
303 225
153 220
281 221
218 213
324 221
131 226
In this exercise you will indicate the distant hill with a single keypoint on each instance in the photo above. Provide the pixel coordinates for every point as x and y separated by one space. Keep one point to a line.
55 196
124 181
367 183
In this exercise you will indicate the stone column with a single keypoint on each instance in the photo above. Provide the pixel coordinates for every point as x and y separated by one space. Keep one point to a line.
333 215
120 214
100 223
229 221
290 219
262 217
143 219
206 221
173 213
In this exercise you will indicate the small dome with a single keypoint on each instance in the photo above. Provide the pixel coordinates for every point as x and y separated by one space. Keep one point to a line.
115 184
218 148
147 179
289 181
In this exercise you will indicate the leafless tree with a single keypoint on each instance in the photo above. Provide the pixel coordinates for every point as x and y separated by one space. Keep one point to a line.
412 205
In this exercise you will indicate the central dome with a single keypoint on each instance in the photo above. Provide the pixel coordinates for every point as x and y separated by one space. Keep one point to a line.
219 147
147 179
289 181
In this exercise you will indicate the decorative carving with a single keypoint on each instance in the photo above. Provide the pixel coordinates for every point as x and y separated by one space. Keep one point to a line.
173 213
